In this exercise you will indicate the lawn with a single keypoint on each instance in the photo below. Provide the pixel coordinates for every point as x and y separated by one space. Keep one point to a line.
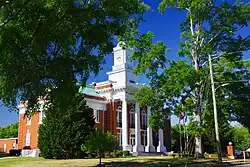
116 162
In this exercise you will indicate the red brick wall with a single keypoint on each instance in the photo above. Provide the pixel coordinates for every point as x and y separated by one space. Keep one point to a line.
9 144
33 129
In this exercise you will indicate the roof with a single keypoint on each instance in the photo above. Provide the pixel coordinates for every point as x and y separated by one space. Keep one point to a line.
89 91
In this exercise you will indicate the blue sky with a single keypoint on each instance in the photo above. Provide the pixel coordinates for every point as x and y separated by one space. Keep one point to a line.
165 27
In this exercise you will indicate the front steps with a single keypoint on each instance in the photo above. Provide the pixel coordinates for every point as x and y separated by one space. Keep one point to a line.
149 154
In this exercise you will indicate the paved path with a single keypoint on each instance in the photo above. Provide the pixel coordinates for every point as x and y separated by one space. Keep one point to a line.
246 165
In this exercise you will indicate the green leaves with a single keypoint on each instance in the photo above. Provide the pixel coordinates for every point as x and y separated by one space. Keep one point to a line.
10 131
241 139
54 44
100 143
184 85
65 128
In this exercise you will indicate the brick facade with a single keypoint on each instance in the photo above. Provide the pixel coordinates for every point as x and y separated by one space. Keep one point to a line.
7 144
31 128
107 120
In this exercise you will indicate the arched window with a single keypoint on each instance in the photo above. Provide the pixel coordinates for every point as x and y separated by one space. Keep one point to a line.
119 116
132 117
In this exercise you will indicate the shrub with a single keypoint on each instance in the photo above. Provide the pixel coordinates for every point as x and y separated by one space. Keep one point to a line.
126 153
14 152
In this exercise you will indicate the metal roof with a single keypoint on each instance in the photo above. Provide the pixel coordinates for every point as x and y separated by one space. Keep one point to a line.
89 91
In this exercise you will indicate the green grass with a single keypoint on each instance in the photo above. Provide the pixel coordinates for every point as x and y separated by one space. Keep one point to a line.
133 161
115 162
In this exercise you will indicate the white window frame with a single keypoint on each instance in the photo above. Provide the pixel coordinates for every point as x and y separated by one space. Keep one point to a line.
97 116
41 114
28 120
27 138
5 148
119 115
132 139
132 116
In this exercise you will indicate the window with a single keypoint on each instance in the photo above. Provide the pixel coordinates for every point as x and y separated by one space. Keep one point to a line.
41 113
144 119
119 117
5 148
41 116
119 139
28 118
132 139
97 116
132 118
28 138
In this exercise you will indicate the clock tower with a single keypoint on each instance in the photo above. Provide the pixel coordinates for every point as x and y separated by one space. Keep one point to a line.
122 70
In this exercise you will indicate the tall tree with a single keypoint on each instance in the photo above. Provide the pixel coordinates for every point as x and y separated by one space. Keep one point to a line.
52 44
210 28
64 130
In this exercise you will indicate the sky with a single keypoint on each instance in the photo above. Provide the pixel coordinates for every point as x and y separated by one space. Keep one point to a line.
165 27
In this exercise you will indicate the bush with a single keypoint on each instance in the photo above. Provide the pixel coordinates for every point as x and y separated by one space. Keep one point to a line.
126 153
14 152
65 129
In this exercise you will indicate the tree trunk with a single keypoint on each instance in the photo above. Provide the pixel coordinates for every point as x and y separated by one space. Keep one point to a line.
100 160
198 138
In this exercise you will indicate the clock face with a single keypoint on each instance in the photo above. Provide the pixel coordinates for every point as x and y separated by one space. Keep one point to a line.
119 58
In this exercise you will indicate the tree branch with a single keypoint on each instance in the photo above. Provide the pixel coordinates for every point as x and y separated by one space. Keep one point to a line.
191 21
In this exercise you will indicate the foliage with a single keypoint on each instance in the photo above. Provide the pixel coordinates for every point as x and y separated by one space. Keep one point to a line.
46 46
100 143
210 28
65 129
9 131
241 138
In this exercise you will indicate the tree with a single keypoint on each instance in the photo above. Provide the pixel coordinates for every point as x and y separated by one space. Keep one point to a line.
48 46
241 138
65 129
210 28
100 143
9 131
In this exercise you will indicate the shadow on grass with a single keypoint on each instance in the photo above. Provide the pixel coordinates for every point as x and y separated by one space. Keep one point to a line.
161 162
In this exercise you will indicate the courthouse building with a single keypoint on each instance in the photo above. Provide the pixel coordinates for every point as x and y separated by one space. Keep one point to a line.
114 110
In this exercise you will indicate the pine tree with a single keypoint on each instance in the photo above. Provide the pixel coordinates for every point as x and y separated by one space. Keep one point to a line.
64 130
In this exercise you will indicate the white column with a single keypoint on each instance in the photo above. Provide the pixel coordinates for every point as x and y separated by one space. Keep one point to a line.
137 147
124 125
150 147
161 147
